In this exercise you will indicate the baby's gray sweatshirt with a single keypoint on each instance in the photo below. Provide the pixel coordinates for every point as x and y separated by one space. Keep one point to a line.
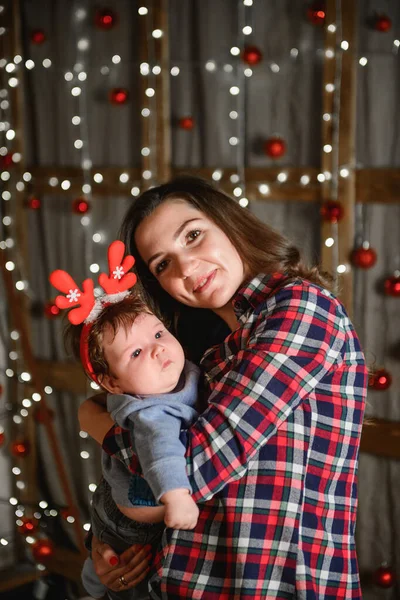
154 423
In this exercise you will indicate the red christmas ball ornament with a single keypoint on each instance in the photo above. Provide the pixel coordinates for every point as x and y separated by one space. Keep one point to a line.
384 577
392 286
2 438
40 414
51 310
66 512
29 525
252 55
316 13
34 203
42 549
38 37
332 211
382 23
275 147
119 96
80 206
363 257
20 448
186 123
105 19
6 161
380 380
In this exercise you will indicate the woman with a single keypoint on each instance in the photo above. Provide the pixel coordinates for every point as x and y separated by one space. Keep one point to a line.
273 459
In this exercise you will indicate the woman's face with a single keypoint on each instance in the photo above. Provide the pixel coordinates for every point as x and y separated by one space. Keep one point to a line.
194 261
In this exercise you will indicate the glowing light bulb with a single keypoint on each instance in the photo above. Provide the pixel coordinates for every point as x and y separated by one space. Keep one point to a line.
264 189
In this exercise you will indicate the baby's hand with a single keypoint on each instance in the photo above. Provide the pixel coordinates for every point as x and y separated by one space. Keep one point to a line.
181 511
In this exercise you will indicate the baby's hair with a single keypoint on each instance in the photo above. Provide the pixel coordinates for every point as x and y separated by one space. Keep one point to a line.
116 315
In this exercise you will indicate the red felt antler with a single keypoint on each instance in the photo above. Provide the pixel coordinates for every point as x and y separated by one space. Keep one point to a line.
118 280
85 299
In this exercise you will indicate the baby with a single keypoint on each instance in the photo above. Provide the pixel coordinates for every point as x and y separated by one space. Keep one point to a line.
129 352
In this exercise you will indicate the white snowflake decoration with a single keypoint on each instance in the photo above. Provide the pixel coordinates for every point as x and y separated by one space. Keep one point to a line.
73 295
118 273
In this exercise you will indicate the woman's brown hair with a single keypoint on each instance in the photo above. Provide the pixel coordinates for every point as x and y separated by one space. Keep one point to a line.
262 249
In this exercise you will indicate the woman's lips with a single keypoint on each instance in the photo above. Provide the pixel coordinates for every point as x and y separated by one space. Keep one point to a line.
204 283
166 364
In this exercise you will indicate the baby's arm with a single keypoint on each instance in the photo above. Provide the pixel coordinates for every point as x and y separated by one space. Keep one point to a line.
156 431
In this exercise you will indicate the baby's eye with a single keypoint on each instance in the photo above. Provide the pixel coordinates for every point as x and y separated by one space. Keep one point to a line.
158 335
161 267
192 235
136 353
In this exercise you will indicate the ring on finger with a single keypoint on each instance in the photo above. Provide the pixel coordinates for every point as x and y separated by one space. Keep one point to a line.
122 580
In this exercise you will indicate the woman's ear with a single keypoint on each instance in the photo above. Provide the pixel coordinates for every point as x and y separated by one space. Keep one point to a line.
110 384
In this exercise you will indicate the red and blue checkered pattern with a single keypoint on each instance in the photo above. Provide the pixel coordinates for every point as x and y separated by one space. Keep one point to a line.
273 459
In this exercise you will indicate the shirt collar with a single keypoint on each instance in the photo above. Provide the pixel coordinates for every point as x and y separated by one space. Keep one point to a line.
254 291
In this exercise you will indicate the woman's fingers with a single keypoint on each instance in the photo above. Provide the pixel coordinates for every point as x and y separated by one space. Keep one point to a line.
139 563
103 556
130 574
120 572
134 554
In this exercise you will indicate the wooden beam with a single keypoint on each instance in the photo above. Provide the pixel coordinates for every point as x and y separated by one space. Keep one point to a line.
381 438
379 186
63 376
347 141
65 562
329 257
339 132
17 576
292 189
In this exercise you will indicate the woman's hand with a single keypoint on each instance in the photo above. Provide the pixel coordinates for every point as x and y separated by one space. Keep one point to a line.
120 573
94 418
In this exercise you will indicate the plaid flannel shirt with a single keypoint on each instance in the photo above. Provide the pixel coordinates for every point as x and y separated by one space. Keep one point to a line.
273 459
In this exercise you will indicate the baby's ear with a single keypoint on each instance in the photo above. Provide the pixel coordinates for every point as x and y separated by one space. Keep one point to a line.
110 384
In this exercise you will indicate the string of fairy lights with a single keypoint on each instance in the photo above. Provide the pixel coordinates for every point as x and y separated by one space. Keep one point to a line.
237 114
246 57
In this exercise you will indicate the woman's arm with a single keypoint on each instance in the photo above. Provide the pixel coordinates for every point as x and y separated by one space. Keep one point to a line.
294 344
94 418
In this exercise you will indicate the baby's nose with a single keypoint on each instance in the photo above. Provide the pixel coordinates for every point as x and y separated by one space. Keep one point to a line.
157 350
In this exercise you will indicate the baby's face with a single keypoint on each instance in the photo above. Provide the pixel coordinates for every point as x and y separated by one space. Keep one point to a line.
145 358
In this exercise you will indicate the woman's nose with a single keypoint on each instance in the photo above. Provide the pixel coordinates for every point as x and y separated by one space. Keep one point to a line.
187 267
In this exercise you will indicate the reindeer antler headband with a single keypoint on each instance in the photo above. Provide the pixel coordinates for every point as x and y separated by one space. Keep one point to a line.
116 286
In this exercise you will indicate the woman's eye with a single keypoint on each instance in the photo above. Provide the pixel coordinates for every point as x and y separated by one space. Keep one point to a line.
161 266
158 335
192 235
136 353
